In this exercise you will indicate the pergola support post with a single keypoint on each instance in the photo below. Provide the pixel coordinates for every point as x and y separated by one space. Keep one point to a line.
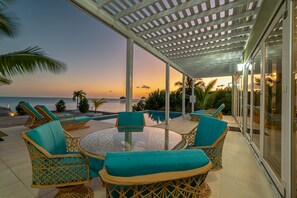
193 94
167 94
129 74
183 97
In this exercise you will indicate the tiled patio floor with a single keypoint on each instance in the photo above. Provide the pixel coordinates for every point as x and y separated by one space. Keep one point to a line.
241 176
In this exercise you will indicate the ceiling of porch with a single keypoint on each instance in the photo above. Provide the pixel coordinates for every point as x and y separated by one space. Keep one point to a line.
201 38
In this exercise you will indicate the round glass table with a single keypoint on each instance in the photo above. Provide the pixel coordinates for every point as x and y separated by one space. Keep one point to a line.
98 143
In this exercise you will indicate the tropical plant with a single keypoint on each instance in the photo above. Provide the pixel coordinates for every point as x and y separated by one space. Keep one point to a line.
175 101
78 95
84 105
19 109
97 103
155 100
139 106
224 96
28 60
60 106
203 94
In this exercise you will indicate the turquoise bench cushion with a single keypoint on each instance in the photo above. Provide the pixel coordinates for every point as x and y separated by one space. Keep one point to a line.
130 119
202 111
50 136
34 111
209 130
127 164
76 119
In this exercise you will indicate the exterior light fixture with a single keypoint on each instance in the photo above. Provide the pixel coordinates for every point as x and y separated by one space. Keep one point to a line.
240 66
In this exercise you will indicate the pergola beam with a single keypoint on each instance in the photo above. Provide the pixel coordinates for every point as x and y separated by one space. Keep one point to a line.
201 34
192 17
167 12
204 25
216 40
133 9
101 3
233 48
92 9
210 47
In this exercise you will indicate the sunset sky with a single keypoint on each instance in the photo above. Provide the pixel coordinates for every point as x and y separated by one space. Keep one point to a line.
95 55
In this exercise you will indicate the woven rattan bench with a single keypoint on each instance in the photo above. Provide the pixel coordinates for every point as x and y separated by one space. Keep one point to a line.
178 173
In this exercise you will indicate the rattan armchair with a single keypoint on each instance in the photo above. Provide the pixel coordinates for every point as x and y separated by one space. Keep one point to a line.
210 136
54 162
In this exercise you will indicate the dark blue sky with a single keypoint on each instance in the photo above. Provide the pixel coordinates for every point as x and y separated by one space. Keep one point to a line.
95 55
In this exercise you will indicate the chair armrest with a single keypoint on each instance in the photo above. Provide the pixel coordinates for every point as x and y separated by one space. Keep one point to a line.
71 142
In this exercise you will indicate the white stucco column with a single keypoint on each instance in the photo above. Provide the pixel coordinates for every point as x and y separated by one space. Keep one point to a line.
129 74
167 94
184 97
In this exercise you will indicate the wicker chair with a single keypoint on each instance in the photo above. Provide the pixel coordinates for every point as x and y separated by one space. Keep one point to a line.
178 173
54 162
35 118
68 123
210 136
195 116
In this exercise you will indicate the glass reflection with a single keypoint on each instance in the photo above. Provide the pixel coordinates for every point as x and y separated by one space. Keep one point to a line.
273 99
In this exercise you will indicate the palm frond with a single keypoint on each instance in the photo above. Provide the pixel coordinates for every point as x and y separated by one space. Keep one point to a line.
210 85
4 81
28 61
7 24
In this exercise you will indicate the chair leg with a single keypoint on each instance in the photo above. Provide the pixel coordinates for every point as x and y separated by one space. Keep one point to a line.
77 191
204 190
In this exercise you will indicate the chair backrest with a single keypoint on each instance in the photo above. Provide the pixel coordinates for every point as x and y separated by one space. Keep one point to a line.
46 112
219 109
130 119
31 111
209 130
49 136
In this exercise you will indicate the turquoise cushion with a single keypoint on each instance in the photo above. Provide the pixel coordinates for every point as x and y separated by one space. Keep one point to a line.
95 166
130 119
209 130
126 164
76 119
50 136
202 111
34 111
200 114
44 108
219 109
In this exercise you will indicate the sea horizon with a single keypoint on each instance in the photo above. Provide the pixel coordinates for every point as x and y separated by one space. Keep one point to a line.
111 105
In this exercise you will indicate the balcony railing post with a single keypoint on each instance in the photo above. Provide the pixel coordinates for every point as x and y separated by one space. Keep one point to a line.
129 74
183 97
167 95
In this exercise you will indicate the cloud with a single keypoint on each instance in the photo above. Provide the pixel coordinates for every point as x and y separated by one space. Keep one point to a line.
145 87
110 91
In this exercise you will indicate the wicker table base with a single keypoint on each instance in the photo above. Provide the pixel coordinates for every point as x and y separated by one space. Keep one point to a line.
78 191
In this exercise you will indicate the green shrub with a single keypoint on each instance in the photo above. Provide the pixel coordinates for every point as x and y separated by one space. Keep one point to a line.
155 100
19 109
224 96
139 106
83 105
60 106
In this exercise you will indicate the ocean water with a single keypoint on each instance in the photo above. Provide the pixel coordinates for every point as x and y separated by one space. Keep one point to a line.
111 105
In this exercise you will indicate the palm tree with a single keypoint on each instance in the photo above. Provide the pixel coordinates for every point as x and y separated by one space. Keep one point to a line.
203 93
78 95
98 103
28 60
188 85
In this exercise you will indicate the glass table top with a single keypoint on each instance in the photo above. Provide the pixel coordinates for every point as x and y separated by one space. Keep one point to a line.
116 139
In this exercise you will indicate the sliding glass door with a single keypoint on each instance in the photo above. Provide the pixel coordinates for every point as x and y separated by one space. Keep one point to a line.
273 99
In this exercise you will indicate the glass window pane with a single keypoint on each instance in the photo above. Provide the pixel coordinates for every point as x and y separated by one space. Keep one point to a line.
273 97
